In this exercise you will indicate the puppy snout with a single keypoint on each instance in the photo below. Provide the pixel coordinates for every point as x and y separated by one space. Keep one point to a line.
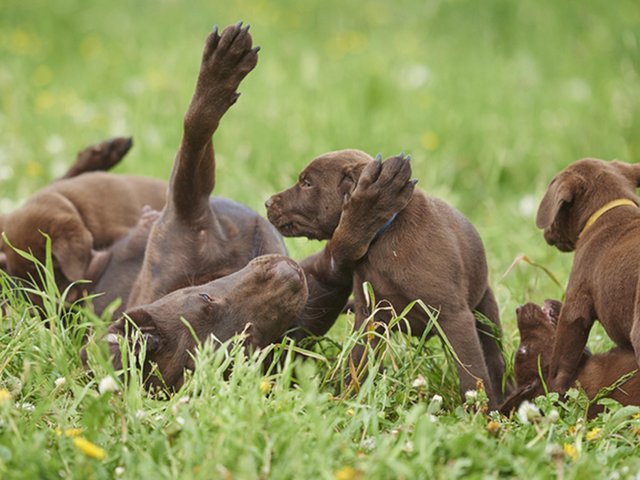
287 270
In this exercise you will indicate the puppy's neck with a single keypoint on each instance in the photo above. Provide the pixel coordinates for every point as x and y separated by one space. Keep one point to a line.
385 227
620 202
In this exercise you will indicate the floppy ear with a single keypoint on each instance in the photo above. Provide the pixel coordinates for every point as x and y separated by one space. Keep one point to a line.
350 175
629 170
526 392
144 321
558 193
72 251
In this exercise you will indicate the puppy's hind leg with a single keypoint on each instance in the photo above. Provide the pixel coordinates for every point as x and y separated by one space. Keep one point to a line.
490 344
226 60
460 329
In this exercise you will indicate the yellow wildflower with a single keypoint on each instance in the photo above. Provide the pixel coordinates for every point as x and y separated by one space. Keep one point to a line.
5 395
430 140
351 412
265 386
69 432
493 427
347 473
89 449
570 451
593 433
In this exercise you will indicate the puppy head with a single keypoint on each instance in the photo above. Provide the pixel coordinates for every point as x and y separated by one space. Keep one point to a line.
312 207
71 241
577 192
262 300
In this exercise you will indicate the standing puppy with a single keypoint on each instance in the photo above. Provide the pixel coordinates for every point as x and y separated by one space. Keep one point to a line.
428 251
592 207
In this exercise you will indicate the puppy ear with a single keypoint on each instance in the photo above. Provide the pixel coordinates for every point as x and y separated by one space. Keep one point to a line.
526 392
350 175
558 193
629 170
144 321
72 251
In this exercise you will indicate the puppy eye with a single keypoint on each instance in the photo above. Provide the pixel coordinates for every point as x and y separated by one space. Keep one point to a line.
305 183
206 298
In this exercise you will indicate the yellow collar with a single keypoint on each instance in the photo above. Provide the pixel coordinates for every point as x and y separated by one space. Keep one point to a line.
601 211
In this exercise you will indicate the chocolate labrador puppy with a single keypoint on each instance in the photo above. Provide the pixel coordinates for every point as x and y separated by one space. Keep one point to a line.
193 241
595 372
99 157
217 310
592 207
428 251
73 213
202 243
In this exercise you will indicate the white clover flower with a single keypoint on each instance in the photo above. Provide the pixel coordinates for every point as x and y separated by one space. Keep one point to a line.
528 412
553 416
107 384
60 381
435 405
26 406
420 381
119 471
471 396
180 421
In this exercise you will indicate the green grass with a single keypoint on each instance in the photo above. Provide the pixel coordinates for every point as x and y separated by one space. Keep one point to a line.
491 99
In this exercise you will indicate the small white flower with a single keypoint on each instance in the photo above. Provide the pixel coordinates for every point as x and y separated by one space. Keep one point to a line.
408 447
435 404
140 414
26 406
180 421
419 382
528 412
433 419
107 384
60 381
119 471
369 443
471 396
553 416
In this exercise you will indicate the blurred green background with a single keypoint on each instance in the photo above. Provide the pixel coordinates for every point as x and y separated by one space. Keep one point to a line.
490 98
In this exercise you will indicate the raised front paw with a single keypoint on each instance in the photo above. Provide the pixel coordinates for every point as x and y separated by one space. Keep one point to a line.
383 189
226 60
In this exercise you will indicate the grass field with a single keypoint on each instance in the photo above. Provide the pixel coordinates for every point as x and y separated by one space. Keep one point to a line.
490 99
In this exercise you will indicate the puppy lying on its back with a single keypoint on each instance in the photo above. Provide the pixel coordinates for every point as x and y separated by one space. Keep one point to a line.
537 333
428 251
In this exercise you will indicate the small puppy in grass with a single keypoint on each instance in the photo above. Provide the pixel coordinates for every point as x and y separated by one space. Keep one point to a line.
83 212
537 326
427 251
592 207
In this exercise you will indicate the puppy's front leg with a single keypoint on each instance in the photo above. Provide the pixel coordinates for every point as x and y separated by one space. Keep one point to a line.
574 324
382 191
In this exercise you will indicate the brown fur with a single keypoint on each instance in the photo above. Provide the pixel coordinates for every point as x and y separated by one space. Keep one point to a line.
604 281
99 157
429 252
219 309
537 333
